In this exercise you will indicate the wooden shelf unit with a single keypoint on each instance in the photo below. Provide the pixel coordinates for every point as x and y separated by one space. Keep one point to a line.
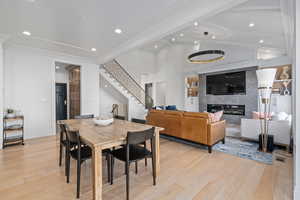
9 130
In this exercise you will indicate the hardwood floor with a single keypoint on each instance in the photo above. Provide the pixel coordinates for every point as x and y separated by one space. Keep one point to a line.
187 173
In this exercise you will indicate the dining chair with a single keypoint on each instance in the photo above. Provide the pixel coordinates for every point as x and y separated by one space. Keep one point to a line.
63 144
140 121
62 137
133 152
83 116
119 117
81 153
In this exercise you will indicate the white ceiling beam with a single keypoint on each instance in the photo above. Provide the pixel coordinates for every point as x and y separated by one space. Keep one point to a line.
257 8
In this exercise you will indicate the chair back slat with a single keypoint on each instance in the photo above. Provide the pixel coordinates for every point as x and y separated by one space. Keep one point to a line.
63 132
73 136
140 121
140 136
84 116
119 117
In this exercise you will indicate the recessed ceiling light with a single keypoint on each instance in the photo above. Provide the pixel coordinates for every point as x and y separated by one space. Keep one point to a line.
93 49
196 42
173 39
261 41
181 34
118 31
196 24
156 46
57 67
105 85
26 33
213 37
251 24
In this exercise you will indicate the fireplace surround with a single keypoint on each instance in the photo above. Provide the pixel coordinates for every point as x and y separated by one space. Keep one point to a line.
227 108
249 100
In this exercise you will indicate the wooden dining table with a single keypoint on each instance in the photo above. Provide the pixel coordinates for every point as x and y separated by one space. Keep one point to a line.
106 137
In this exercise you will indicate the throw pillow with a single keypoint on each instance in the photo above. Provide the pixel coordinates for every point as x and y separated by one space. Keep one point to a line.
258 115
218 115
171 107
215 117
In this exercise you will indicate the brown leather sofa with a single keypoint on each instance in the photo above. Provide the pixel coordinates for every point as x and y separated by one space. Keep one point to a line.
192 126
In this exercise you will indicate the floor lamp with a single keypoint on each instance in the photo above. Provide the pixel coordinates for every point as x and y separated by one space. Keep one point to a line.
265 78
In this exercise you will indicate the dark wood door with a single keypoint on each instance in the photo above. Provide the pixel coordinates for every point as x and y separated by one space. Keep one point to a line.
61 101
74 88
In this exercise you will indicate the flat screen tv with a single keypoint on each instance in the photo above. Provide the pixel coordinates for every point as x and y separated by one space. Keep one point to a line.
226 84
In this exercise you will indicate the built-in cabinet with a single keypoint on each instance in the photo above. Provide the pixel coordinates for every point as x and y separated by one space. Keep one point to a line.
192 93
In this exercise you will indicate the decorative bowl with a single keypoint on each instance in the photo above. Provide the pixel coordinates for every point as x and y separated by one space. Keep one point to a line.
103 122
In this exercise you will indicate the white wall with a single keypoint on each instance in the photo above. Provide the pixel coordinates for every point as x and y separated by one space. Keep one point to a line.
160 93
1 93
30 86
169 69
89 81
137 63
296 105
61 75
109 95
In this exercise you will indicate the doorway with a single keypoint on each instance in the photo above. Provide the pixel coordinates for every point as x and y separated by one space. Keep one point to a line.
67 88
61 101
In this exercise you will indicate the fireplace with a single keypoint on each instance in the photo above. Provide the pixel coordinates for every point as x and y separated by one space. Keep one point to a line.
228 109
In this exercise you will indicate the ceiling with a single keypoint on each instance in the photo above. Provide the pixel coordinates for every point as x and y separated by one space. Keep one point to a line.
76 26
232 27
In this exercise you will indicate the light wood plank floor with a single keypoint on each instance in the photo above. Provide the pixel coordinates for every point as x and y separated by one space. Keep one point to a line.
187 173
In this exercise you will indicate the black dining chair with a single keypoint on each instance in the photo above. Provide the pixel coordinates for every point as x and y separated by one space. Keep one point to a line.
81 153
119 117
84 116
140 121
133 152
63 144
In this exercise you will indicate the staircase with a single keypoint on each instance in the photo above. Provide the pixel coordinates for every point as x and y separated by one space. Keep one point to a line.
139 101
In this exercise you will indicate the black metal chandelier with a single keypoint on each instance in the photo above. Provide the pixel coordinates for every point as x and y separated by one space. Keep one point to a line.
220 56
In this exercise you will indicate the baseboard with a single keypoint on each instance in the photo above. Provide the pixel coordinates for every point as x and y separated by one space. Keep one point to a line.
296 192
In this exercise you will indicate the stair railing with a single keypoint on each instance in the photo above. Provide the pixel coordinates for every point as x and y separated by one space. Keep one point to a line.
117 72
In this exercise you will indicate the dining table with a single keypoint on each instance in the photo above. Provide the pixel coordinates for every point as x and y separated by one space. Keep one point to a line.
107 137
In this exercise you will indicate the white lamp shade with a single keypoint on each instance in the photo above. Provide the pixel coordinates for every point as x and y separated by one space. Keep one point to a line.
265 77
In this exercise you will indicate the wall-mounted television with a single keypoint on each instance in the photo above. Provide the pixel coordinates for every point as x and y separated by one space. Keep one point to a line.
226 84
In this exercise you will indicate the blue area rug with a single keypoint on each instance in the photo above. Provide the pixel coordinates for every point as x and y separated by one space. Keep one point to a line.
244 149
235 147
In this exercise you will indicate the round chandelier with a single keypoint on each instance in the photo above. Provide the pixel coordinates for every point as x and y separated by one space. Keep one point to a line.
219 56
194 57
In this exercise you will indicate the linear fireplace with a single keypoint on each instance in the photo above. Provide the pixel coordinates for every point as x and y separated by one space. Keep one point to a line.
228 109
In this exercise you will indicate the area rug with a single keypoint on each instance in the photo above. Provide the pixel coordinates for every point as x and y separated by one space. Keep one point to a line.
235 147
244 149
